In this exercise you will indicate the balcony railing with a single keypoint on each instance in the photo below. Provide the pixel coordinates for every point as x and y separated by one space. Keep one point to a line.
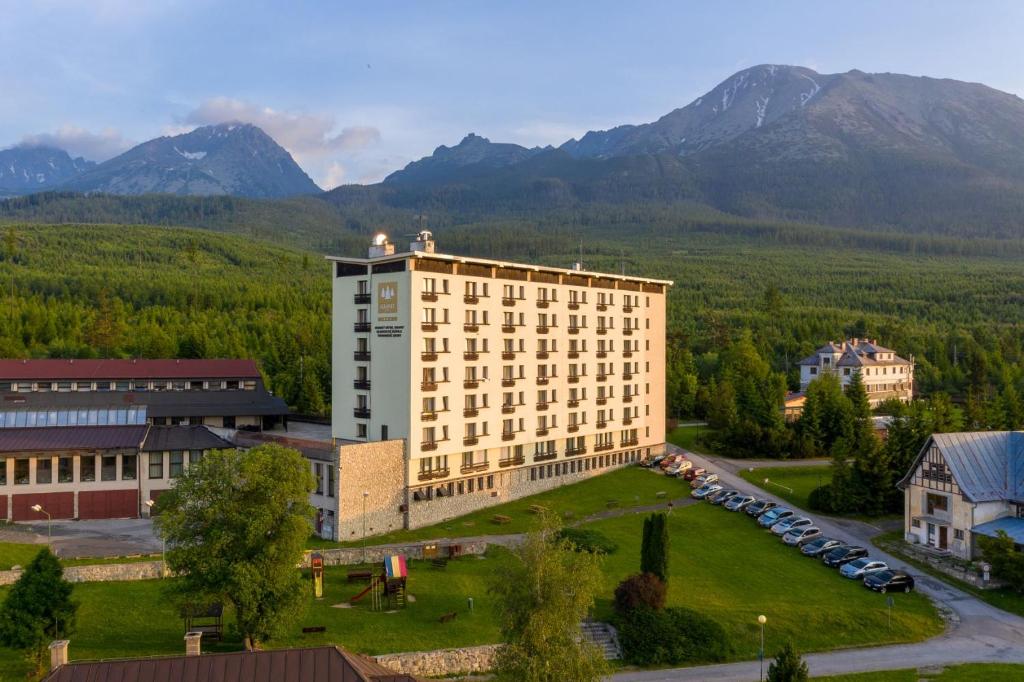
574 378
544 456
428 386
508 328
574 305
428 416
428 445
512 461
627 354
603 377
626 376
508 409
428 356
470 412
473 468
542 406
601 423
508 301
429 296
627 398
508 435
628 331
542 329
542 355
601 307
542 381
601 400
471 299
470 355
434 473
606 446
572 452
361 355
362 299
627 308
575 330
361 327
470 440
573 354
361 412
630 442
626 421
573 403
542 303
602 330
428 326
602 354
573 428
361 384
471 383
508 383
470 327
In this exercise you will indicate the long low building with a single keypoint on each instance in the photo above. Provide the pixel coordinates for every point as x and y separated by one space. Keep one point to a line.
226 394
94 472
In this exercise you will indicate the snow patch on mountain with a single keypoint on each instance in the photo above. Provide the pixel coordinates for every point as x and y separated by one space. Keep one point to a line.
191 156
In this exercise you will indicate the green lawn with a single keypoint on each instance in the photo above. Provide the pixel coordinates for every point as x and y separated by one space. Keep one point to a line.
724 564
691 438
628 487
20 553
792 484
721 563
968 672
1003 598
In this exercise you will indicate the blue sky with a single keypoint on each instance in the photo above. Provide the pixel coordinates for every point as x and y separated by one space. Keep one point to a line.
356 90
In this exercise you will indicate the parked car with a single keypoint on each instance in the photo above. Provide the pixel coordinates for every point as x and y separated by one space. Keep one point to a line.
791 523
843 554
819 546
722 496
760 507
669 461
679 467
705 490
773 516
704 479
738 502
860 568
693 473
889 581
798 536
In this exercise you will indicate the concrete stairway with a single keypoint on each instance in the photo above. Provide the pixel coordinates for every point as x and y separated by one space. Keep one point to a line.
604 636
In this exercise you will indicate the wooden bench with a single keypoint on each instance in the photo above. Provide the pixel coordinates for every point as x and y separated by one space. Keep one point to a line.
314 628
439 563
660 494
501 519
538 509
612 504
447 617
359 576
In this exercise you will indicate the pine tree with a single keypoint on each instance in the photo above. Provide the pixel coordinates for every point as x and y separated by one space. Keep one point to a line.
788 666
654 546
38 608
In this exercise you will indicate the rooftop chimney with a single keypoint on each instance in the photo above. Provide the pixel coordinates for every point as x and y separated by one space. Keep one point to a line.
193 643
381 246
424 242
577 266
58 653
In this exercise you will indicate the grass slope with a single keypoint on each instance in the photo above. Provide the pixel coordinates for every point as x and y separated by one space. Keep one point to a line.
969 672
792 484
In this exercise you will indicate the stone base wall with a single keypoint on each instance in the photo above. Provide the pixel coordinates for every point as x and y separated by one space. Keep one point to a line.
443 662
101 573
513 484
350 556
377 468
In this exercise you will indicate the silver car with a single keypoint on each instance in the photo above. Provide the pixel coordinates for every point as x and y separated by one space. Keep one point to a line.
798 536
790 523
738 502
861 568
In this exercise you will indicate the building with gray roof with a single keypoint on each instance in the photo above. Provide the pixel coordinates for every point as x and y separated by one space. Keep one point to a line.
885 374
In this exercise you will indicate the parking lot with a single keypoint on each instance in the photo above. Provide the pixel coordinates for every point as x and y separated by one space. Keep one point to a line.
104 538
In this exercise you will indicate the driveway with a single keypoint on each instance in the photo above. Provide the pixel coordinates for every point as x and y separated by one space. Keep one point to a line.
108 537
977 632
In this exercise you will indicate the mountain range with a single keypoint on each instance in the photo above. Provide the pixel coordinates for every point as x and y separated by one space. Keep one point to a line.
236 159
776 143
28 169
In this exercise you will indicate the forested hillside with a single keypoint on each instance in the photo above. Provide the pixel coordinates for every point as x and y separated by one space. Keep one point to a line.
117 291
74 290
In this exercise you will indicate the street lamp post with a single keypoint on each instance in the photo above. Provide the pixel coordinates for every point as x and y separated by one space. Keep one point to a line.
762 620
163 543
366 493
38 508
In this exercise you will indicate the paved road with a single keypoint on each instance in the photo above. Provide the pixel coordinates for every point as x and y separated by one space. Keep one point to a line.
111 537
977 632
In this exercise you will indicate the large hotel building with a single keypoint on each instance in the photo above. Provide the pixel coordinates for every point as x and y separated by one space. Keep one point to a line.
461 382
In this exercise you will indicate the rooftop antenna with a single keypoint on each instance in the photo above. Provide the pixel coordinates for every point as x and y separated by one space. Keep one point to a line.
581 255
622 261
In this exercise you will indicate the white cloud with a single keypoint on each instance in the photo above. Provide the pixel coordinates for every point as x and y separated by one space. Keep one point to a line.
76 141
306 136
335 176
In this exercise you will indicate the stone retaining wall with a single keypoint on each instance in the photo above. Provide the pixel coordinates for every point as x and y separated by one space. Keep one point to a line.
140 570
443 662
349 556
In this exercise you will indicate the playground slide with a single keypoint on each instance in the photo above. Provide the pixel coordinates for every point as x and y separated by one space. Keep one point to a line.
373 584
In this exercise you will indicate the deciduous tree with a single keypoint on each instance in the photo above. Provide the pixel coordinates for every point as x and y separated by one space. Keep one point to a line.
38 608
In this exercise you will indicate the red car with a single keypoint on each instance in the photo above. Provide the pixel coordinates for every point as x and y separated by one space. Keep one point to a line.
694 472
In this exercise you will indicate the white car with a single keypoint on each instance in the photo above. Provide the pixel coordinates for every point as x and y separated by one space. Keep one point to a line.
798 536
861 568
790 523
739 502
705 490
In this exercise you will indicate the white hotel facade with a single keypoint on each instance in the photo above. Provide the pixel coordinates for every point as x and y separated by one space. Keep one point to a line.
473 381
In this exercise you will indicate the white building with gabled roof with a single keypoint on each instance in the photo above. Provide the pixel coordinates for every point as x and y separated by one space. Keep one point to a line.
885 374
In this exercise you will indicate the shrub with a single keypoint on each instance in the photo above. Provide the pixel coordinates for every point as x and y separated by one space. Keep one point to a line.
591 541
640 590
671 637
654 546
788 666
38 608
820 499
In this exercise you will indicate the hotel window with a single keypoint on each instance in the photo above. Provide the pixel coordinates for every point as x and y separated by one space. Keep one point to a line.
156 465
194 456
958 534
429 285
87 468
44 470
129 467
21 472
330 480
3 471
318 474
108 470
360 430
